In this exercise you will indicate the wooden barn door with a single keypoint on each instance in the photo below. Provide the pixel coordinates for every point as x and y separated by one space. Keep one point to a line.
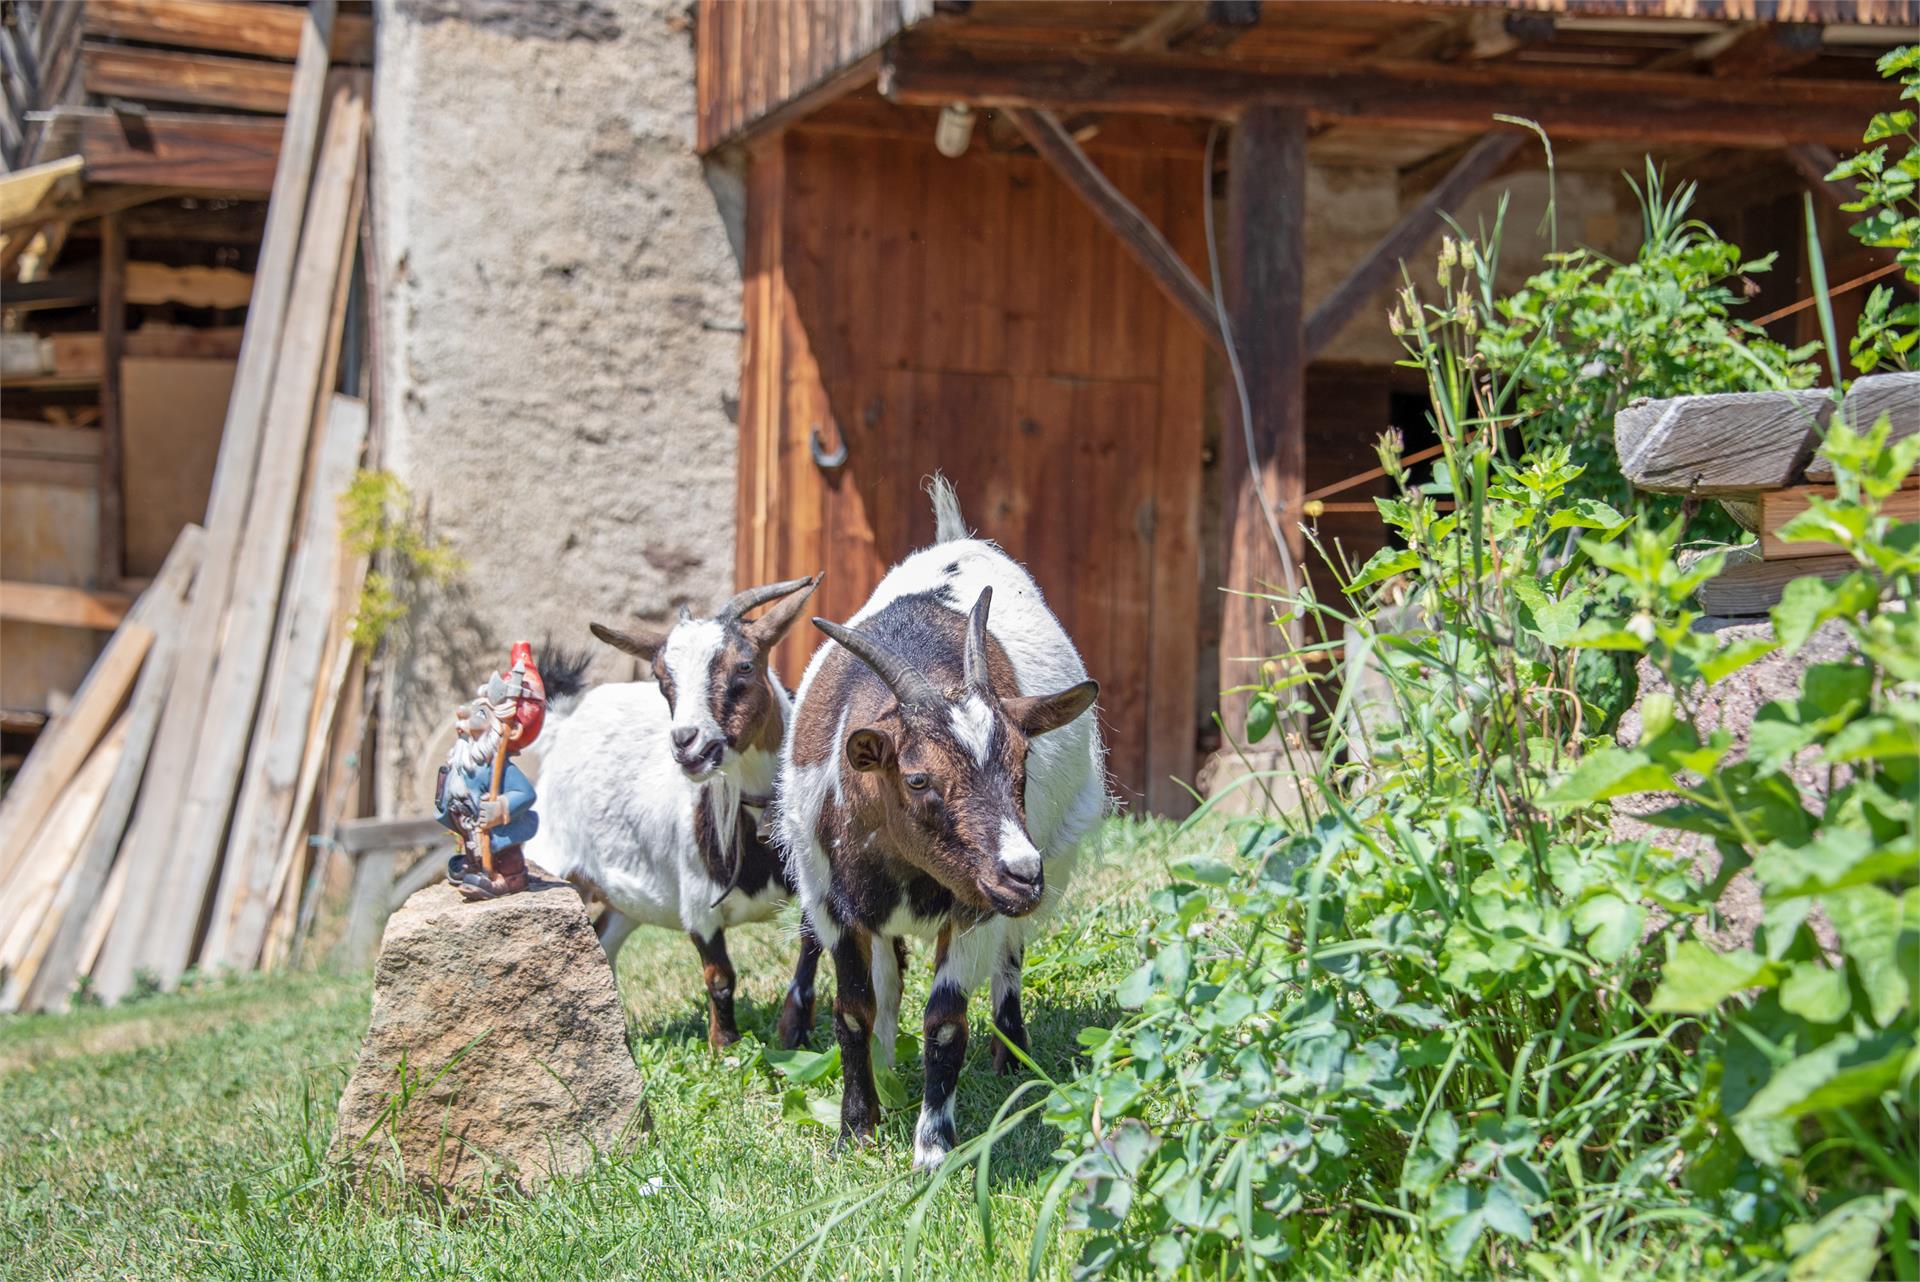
971 316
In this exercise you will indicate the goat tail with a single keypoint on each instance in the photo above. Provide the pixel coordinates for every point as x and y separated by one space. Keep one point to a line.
565 674
948 524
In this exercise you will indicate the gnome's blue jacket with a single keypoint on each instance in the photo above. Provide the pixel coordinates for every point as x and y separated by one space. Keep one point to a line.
515 789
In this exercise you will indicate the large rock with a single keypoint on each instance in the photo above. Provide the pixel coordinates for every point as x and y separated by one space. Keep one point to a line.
512 1035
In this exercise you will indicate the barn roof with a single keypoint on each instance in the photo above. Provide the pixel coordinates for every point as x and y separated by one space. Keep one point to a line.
1752 72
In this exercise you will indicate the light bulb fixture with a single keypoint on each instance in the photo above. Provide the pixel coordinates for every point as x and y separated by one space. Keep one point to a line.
954 133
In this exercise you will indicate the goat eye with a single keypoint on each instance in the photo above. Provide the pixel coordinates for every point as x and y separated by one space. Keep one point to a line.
918 781
744 667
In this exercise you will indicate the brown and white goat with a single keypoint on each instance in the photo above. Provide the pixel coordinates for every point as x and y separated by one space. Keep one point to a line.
937 781
652 792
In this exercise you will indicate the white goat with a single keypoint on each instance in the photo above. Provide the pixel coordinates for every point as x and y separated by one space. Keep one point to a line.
651 792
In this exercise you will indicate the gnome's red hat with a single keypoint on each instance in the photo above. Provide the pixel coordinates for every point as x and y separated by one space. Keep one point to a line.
529 694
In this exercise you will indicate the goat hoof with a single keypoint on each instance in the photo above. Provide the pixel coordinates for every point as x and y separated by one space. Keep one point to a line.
720 1039
853 1141
796 1026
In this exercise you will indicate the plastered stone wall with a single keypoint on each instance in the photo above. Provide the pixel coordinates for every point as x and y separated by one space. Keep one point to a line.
559 307
1350 208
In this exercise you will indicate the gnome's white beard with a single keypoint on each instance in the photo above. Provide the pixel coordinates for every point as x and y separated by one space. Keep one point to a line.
469 755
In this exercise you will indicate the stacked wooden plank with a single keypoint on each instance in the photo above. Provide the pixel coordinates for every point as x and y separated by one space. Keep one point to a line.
1759 454
162 821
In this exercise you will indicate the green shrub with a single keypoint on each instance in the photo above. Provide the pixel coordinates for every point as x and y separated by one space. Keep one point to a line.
1889 196
1586 335
1804 1134
1439 1022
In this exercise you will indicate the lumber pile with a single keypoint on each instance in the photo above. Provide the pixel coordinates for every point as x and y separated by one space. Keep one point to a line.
1759 454
162 820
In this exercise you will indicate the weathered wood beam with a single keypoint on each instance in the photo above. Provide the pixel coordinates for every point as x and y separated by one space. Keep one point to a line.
206 223
1813 163
23 195
96 202
78 359
233 155
1375 270
1895 395
1651 107
267 30
63 607
1266 234
1136 231
1735 443
78 288
199 79
113 348
1768 49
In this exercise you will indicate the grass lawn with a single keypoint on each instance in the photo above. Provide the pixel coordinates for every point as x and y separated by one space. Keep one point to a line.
184 1136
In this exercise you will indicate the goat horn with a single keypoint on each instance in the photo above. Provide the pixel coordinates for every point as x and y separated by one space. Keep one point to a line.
754 598
977 678
908 683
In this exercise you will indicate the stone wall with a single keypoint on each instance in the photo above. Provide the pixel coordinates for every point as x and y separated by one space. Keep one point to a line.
560 314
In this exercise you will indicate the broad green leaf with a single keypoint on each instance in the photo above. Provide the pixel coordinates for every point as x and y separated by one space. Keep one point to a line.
803 1066
1697 979
1874 739
1260 717
1611 772
1504 1214
1841 1246
1816 993
1586 514
798 1107
1836 859
1735 656
1869 923
1843 1072
1611 924
888 1086
1384 564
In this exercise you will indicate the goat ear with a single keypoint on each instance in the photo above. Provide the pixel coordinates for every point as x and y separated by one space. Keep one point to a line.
643 644
1045 712
767 630
869 749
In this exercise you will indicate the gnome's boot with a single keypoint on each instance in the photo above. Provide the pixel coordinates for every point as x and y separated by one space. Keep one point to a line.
509 871
509 874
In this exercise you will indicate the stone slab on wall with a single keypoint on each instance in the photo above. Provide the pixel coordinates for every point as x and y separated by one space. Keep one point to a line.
560 310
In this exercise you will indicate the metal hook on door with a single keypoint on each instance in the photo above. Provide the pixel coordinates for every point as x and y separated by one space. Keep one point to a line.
821 458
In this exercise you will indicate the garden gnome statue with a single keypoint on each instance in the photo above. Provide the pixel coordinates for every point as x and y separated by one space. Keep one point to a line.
484 797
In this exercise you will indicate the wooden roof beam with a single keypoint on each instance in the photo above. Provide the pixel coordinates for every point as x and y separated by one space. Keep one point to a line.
1481 162
1768 49
1136 231
1568 104
1193 24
